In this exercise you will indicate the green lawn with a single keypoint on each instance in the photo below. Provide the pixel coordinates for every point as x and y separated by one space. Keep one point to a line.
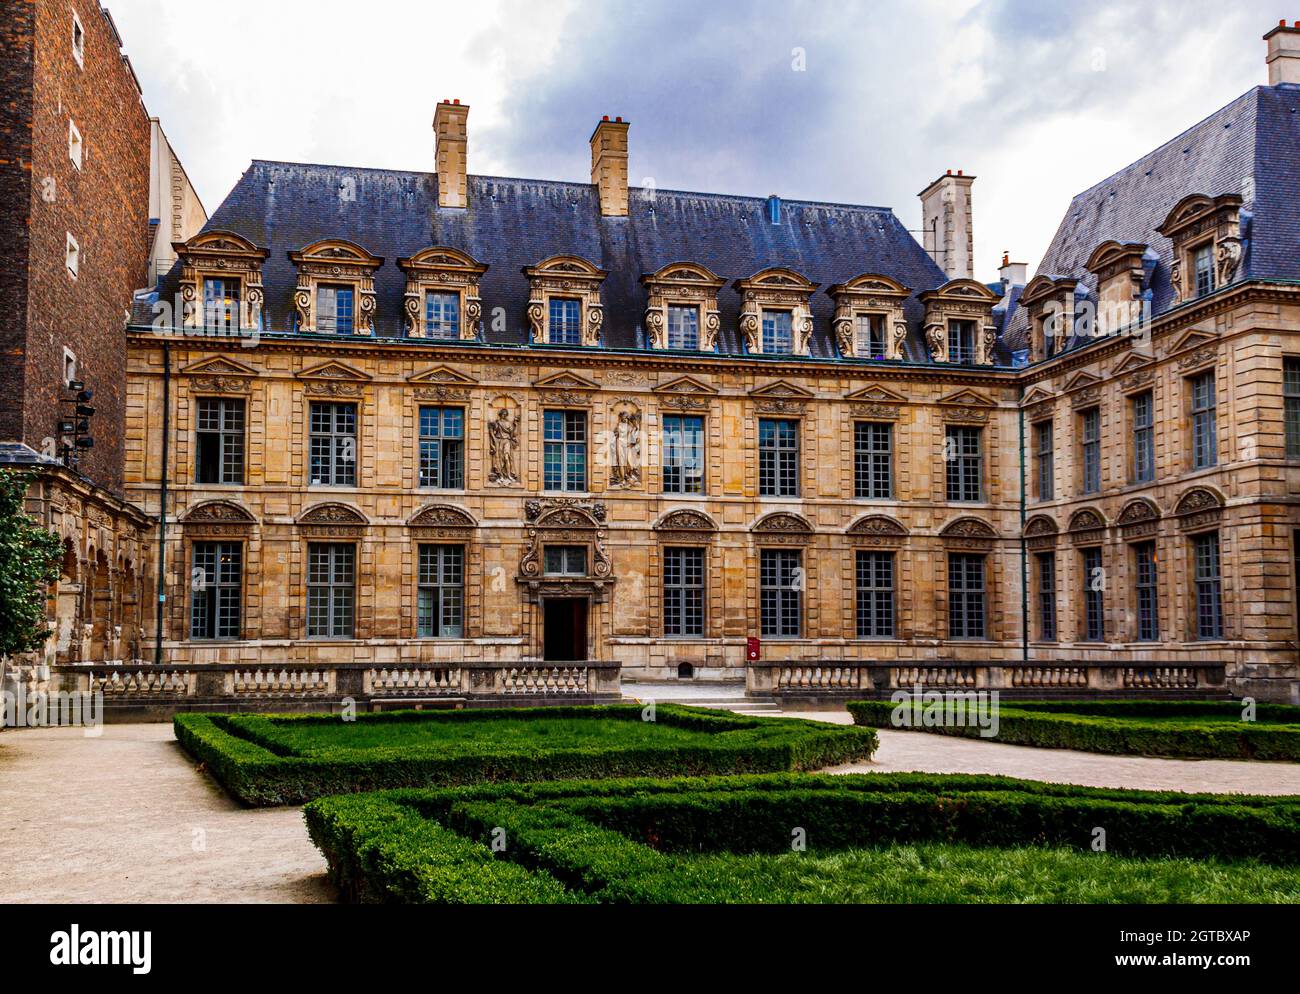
289 759
1187 729
879 838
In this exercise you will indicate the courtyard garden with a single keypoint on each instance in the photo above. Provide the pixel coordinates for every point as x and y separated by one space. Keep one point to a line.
288 759
807 838
1182 729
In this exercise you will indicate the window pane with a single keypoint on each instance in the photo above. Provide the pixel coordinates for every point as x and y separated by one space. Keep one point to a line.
442 315
875 589
778 458
684 592
565 321
683 327
778 332
781 592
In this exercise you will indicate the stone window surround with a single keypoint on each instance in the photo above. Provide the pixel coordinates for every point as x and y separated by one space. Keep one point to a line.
337 261
776 289
443 270
1041 294
565 276
960 300
682 284
220 254
873 294
1196 221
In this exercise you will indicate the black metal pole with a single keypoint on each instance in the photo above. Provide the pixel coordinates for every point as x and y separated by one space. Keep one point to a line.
1024 546
162 503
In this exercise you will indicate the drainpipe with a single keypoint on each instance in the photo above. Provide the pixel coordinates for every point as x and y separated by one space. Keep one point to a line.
162 502
1024 544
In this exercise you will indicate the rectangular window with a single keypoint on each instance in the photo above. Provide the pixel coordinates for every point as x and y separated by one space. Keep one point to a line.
778 458
1044 459
442 447
1046 596
683 327
74 143
1204 422
334 309
1144 586
966 596
216 582
78 41
1209 588
219 442
1094 586
564 450
964 451
331 578
565 560
221 302
869 335
334 445
781 592
1203 266
961 342
778 332
442 315
875 584
683 469
440 605
684 592
72 256
1144 445
565 321
873 460
1291 393
1090 433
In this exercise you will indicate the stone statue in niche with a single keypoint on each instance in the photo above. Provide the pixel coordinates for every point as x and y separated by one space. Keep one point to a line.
503 444
626 450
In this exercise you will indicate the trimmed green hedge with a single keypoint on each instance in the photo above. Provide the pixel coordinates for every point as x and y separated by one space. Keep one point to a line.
1136 728
255 757
643 840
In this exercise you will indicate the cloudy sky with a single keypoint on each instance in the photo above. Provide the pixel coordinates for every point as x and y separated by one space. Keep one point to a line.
861 102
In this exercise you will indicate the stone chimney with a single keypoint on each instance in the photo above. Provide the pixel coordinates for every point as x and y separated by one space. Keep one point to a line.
450 142
609 165
948 232
1012 273
1284 54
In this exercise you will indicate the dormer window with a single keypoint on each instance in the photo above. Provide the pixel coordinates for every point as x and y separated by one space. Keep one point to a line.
683 327
869 336
221 302
442 295
334 309
961 342
1048 302
336 288
869 322
442 315
682 308
778 332
564 305
1203 269
565 322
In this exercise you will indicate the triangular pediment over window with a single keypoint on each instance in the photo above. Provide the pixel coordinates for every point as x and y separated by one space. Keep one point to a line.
1193 339
566 381
781 388
1036 395
685 384
333 371
217 365
442 374
1132 361
968 398
1081 379
876 392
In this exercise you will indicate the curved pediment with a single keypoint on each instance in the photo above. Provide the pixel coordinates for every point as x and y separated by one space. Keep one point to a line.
686 520
1108 253
219 511
1198 499
962 289
870 283
685 272
442 257
329 250
331 513
968 527
877 524
572 265
1138 510
777 278
784 523
220 241
1040 526
1193 208
1087 520
442 516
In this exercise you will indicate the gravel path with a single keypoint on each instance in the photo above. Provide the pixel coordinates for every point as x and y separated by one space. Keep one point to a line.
125 816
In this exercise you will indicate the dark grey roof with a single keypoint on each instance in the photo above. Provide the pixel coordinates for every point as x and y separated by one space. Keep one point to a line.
1248 147
512 223
18 454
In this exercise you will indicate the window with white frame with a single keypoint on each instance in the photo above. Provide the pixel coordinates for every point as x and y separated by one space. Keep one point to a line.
78 41
442 315
869 335
441 594
74 143
73 256
778 332
683 327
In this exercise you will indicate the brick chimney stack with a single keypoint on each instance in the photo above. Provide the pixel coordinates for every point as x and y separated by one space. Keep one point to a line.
609 166
948 228
450 140
1284 54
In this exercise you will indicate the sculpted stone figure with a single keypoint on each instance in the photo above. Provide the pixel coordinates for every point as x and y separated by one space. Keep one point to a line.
503 443
626 449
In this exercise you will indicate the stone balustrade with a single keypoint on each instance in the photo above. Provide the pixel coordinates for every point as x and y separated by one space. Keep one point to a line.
142 691
840 680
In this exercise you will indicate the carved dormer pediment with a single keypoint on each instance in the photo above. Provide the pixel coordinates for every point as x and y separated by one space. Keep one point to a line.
686 285
1201 222
777 290
335 262
565 277
230 266
455 313
869 321
948 309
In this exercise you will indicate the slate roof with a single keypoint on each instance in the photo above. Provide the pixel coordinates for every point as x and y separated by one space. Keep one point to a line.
1248 147
512 223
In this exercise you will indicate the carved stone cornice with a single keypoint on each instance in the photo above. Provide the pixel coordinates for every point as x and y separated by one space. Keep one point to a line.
877 530
969 533
1199 509
1087 527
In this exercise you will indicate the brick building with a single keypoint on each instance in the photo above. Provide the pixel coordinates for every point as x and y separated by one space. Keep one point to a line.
426 417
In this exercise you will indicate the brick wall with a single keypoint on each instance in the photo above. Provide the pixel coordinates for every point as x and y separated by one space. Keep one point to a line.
104 205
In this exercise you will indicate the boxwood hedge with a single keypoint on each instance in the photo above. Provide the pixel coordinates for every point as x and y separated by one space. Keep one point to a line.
257 762
624 840
1189 729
